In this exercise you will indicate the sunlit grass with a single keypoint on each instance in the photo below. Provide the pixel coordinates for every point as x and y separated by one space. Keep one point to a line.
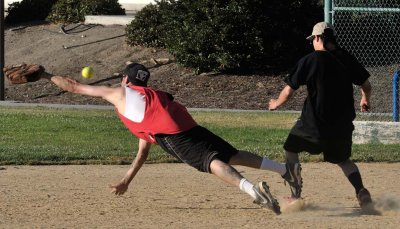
39 135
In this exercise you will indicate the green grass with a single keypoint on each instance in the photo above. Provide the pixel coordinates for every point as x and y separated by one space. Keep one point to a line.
75 136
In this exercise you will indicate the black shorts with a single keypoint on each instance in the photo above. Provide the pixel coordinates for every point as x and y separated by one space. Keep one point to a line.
197 147
334 150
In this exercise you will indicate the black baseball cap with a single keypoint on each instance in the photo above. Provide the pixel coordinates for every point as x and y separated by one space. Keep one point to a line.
137 74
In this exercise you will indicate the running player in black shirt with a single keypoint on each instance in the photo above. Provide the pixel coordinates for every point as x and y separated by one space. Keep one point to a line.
326 122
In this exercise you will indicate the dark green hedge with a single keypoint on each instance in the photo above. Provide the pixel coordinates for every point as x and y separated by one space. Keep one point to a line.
61 11
28 10
73 11
222 35
147 27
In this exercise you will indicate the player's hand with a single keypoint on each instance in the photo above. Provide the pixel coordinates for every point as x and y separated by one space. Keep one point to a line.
67 84
364 106
272 105
119 189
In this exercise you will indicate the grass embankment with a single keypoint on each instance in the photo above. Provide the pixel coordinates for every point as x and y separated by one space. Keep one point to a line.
75 136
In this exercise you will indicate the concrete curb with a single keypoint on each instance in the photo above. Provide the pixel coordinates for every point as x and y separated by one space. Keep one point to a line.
109 19
376 132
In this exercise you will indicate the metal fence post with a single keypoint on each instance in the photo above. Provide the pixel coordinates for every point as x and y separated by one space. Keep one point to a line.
1 50
395 96
328 10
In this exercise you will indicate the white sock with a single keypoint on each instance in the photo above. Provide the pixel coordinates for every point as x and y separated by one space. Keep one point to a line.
247 187
274 166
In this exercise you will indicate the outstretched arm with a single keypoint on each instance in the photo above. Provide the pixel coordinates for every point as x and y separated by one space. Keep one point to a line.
115 96
365 96
284 96
143 152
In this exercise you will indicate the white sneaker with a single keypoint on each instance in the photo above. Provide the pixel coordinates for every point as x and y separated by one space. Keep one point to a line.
265 198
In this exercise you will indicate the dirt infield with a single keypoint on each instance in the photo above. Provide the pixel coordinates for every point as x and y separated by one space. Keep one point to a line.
177 196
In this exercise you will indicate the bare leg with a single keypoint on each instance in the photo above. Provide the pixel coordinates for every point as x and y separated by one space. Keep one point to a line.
247 159
348 167
352 173
260 193
226 172
252 160
230 175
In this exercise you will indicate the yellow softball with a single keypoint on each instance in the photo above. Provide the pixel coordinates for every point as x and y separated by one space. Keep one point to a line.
87 72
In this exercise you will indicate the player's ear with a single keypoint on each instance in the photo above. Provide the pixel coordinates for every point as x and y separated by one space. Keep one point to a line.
124 80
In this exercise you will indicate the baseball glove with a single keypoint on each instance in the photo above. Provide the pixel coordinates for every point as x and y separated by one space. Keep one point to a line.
23 73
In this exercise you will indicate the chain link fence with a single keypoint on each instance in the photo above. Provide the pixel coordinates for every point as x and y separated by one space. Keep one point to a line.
370 29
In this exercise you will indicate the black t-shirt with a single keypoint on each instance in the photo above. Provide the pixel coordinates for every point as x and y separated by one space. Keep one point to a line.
328 110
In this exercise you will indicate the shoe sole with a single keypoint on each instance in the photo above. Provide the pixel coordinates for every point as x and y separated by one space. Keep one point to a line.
272 203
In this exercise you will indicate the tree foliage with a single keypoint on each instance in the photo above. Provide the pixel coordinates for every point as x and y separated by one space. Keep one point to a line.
227 35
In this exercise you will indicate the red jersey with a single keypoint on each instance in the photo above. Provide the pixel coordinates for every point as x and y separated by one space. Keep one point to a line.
162 116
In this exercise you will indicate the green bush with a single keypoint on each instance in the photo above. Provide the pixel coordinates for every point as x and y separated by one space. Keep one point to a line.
61 11
28 10
227 35
74 11
214 35
147 27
